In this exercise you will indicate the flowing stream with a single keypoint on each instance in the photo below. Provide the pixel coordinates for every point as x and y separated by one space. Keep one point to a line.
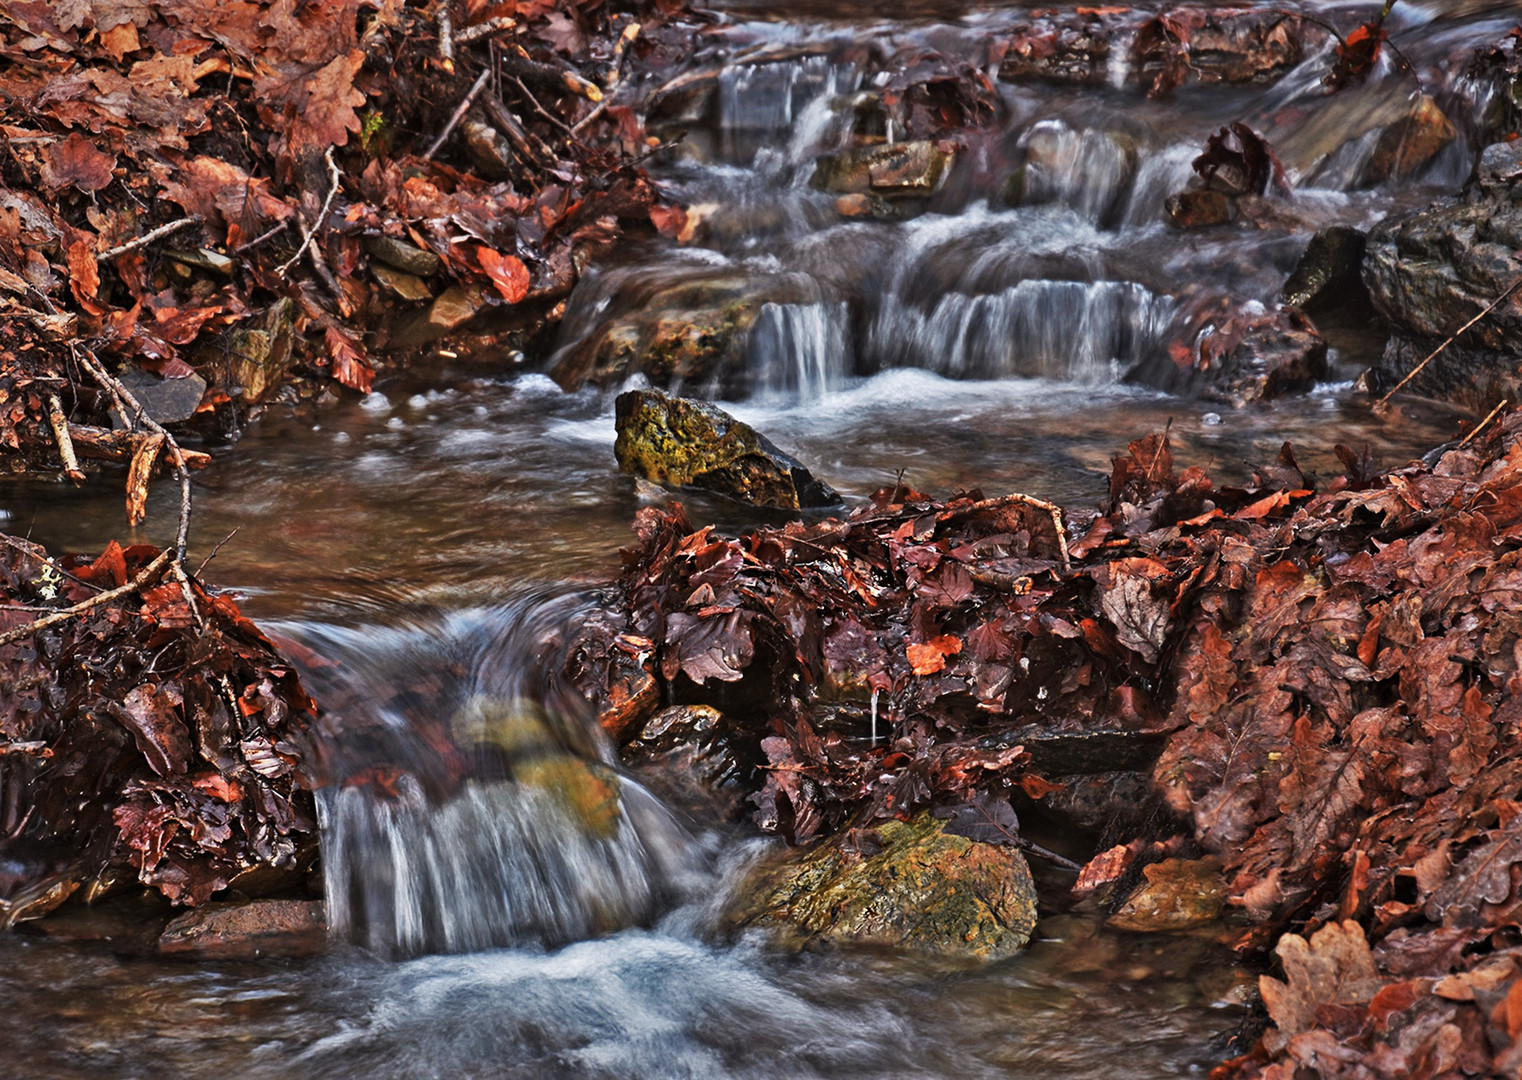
435 537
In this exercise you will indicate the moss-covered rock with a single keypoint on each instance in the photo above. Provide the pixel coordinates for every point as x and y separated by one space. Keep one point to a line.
677 442
924 890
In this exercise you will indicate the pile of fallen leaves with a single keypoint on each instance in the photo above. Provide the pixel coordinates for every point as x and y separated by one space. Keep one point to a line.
151 735
1337 674
173 172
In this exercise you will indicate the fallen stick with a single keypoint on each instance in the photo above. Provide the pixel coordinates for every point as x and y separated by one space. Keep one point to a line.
149 237
64 614
444 18
322 216
510 126
133 410
1433 355
1052 509
458 114
60 425
102 444
485 29
262 237
1481 425
624 40
517 62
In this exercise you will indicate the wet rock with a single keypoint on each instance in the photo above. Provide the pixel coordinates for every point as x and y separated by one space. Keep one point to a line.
1430 271
1072 48
1096 801
587 793
400 255
406 286
258 354
693 334
1408 143
1200 209
1239 353
904 884
489 150
689 755
1091 171
677 442
686 99
1176 894
1361 138
632 696
1328 271
167 401
246 931
888 170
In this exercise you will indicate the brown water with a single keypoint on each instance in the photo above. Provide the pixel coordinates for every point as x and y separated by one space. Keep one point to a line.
400 531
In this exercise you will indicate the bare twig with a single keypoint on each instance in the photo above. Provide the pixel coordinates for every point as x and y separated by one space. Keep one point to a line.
149 237
60 424
219 546
262 237
1016 499
133 411
146 575
1433 355
325 274
541 110
515 61
630 33
444 17
485 29
327 205
1482 424
504 121
458 114
1049 855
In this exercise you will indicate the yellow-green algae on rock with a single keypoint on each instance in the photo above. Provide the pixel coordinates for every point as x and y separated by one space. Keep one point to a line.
925 890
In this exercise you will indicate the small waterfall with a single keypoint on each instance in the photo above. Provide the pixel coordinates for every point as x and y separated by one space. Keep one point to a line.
1090 333
470 803
786 101
1088 170
800 351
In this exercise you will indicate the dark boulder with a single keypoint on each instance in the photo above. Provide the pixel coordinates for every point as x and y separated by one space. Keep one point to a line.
1429 272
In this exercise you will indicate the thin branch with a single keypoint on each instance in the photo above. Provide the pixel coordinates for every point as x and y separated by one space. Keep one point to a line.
213 553
133 410
262 237
63 615
485 29
630 33
1015 498
458 114
1481 425
541 110
322 216
1049 855
149 237
1433 355
444 17
60 425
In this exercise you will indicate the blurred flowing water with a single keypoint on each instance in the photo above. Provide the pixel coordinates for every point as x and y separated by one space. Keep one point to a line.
435 540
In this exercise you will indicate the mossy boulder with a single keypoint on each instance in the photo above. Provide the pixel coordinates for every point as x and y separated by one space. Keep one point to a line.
923 889
677 442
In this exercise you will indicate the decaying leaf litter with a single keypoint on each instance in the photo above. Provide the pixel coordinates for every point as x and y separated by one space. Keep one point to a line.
1330 668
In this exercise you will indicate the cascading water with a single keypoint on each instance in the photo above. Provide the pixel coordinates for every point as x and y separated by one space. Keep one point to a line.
800 351
483 811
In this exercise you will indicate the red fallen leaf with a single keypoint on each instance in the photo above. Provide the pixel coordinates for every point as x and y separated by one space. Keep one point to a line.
507 272
109 569
1106 867
349 364
1357 55
84 273
150 714
930 657
1239 161
75 162
219 787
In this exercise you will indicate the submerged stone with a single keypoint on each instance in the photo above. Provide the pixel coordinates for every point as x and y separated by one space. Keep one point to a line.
677 442
1328 271
924 890
908 168
1176 894
245 931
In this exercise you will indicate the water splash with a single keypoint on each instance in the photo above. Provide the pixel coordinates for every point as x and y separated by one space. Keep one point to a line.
1091 333
470 803
800 351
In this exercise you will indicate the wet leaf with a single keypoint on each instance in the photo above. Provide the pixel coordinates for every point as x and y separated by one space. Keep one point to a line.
75 162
